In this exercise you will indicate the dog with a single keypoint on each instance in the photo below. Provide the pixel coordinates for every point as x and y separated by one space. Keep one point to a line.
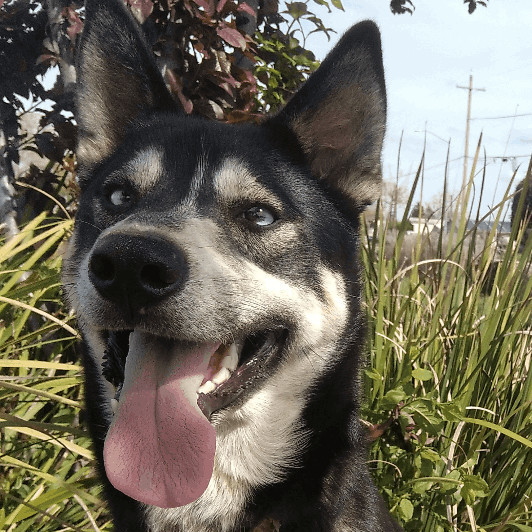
214 272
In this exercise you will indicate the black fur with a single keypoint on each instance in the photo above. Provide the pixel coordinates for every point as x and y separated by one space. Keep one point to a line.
320 159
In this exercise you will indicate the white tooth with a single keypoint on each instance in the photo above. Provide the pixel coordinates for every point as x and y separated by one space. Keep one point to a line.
230 360
207 387
114 405
221 376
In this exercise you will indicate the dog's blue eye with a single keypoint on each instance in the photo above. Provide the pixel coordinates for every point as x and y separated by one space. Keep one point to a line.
259 216
119 196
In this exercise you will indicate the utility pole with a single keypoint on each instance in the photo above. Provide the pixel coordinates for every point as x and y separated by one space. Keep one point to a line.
466 151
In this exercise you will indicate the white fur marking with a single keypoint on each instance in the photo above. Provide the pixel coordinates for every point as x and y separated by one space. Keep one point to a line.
198 179
145 169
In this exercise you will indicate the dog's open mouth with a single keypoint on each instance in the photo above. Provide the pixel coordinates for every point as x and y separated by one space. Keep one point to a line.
232 369
160 445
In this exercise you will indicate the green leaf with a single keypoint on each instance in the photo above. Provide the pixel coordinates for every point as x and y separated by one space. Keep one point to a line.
406 509
476 483
447 488
474 488
297 9
43 502
422 411
393 397
469 464
422 487
422 374
499 428
468 495
451 411
337 4
431 455
373 374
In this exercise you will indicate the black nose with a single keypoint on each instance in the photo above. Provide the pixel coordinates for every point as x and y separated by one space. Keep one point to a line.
136 271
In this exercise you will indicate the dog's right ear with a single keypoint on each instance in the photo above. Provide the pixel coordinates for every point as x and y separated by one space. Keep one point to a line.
118 80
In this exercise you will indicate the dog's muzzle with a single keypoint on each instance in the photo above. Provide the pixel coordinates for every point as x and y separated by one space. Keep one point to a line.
169 391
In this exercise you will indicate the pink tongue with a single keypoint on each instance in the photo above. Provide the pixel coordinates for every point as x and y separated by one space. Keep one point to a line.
160 447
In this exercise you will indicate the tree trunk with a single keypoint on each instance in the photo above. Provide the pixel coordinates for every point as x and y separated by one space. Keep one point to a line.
8 220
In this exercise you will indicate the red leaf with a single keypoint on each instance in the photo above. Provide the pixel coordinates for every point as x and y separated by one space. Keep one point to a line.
207 5
199 47
232 81
246 9
177 88
232 37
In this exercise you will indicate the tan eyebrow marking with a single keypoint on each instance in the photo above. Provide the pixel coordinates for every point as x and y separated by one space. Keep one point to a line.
235 182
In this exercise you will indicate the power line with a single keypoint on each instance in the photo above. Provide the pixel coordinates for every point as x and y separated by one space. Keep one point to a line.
439 165
508 156
497 117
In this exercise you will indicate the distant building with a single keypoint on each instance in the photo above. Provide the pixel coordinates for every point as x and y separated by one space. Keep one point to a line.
424 225
428 225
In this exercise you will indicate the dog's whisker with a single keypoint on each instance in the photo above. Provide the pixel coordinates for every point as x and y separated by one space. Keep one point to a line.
90 224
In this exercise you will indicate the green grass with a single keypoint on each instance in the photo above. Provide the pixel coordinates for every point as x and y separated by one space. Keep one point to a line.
448 388
450 348
46 476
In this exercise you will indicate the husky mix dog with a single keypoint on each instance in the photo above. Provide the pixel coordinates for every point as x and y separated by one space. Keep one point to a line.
214 273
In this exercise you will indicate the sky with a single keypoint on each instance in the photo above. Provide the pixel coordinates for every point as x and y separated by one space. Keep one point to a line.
426 56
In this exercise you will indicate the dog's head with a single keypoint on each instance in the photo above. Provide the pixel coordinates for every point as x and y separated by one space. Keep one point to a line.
220 259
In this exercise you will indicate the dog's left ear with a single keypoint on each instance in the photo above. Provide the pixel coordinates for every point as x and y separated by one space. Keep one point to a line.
339 116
